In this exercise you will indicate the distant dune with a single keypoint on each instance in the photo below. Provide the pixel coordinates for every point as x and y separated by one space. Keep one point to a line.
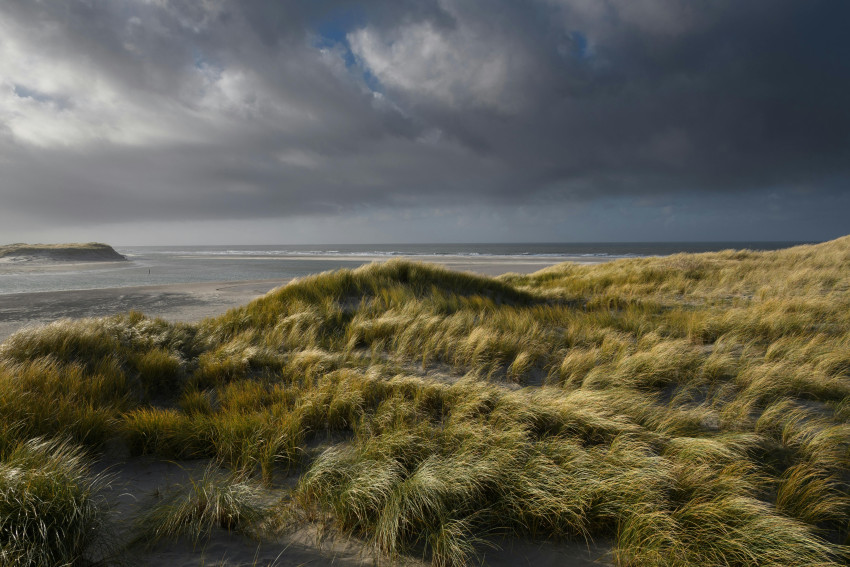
88 252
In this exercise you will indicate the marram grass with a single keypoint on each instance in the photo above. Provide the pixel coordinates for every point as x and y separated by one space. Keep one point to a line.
51 510
216 500
691 410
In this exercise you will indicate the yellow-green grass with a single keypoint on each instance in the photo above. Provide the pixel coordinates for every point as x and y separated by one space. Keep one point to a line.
51 511
194 510
691 409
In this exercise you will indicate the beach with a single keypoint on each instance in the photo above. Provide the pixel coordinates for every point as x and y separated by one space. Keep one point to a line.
187 302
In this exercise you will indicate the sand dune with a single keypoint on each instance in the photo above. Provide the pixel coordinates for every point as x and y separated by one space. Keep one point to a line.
187 302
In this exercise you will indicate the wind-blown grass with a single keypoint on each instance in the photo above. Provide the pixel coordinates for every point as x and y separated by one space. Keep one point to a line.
51 512
692 410
215 500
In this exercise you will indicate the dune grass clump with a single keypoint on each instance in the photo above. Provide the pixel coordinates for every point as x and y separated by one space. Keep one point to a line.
46 398
216 500
51 509
689 410
497 464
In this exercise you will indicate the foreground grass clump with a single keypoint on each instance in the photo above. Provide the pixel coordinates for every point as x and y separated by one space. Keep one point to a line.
50 509
215 500
691 410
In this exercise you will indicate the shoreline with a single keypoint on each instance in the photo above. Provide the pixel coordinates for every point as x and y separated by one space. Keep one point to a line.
186 302
194 301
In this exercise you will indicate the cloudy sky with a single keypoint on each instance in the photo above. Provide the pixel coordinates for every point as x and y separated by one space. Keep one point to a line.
319 121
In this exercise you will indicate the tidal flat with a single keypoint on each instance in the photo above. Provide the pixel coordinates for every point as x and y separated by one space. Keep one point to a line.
682 410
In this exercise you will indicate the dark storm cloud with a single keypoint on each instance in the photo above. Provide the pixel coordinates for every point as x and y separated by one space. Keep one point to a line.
164 109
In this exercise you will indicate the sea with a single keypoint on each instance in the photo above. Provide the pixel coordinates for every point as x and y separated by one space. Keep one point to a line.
155 265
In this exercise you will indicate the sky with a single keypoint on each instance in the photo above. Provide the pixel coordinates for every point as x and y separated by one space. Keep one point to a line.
328 121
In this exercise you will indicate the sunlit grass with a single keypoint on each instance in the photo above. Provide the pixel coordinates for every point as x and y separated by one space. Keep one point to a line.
691 410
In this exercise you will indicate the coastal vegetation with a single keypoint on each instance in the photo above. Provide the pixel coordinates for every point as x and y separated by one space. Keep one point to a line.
690 410
88 252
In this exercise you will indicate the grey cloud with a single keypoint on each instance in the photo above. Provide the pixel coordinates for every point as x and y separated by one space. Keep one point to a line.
226 109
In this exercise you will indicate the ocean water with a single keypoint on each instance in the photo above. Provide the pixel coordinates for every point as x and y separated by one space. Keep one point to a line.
150 265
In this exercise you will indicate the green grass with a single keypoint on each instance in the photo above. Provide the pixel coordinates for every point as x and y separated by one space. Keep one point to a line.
51 512
692 409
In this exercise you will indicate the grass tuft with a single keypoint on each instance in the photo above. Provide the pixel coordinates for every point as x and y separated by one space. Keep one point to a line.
217 500
51 509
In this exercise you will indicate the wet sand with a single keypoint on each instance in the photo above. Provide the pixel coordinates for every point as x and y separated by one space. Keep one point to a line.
175 302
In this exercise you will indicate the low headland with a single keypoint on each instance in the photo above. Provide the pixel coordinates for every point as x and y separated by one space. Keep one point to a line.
668 411
88 252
